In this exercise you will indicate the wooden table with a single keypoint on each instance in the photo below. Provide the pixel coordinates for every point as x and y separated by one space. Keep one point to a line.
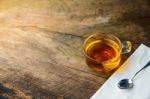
41 44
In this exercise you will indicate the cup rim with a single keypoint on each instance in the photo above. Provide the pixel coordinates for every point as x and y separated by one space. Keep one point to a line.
101 62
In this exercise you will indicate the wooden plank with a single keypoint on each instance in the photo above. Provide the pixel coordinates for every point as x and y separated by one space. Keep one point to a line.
65 16
40 64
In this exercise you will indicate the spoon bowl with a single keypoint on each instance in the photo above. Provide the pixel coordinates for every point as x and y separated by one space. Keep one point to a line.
125 84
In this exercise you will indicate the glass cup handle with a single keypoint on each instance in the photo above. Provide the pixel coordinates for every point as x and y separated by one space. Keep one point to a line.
126 47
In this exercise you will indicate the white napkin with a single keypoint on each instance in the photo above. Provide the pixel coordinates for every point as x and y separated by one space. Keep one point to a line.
141 89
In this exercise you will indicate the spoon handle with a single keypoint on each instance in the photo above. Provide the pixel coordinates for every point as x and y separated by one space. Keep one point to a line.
141 70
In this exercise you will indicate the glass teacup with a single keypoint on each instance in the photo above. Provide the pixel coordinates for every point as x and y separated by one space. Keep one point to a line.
103 51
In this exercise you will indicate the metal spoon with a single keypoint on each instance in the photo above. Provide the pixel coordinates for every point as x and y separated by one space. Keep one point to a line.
128 83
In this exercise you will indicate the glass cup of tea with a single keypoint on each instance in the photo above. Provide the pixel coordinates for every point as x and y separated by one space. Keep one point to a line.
103 51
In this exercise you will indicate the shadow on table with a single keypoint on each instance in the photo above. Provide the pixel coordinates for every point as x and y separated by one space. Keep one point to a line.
2 97
4 90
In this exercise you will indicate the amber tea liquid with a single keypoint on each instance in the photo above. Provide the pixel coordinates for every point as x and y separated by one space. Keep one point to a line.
101 51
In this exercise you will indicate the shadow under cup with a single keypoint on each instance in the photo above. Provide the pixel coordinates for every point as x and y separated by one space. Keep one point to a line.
103 52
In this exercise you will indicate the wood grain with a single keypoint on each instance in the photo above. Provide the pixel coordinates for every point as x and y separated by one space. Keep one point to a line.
41 43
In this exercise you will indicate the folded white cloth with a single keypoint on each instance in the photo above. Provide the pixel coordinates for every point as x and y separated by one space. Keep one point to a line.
141 88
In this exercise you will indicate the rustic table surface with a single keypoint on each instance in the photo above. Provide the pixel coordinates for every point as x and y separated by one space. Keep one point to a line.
41 44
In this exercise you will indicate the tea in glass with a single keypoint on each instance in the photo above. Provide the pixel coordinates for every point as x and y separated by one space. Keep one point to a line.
103 52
